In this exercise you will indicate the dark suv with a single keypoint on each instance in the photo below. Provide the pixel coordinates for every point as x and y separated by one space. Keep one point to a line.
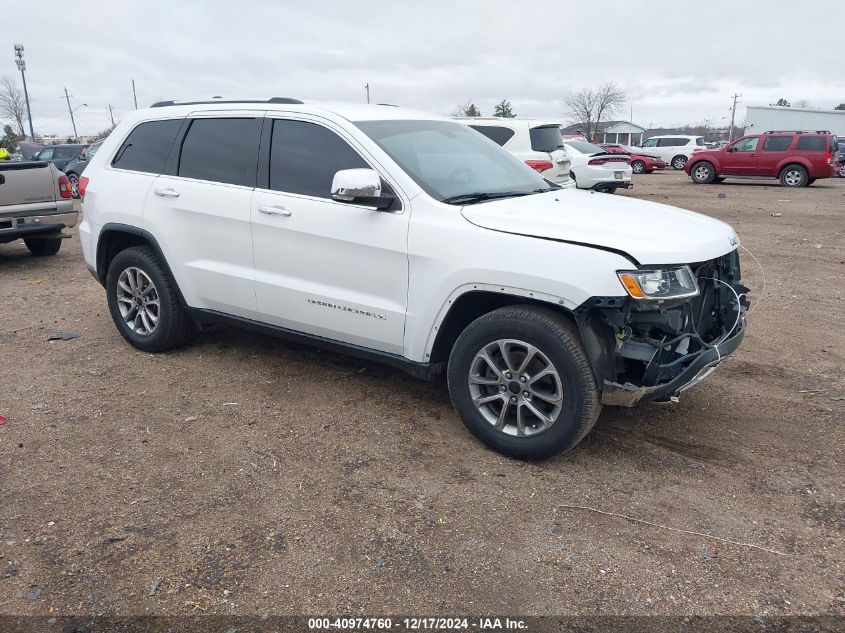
59 155
73 170
796 158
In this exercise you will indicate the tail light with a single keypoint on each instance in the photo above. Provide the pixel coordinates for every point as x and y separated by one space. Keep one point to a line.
82 186
829 158
64 187
539 165
608 159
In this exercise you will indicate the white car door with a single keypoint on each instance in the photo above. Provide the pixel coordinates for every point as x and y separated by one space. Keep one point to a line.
200 213
322 267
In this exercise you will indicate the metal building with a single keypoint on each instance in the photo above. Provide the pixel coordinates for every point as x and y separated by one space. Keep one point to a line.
760 119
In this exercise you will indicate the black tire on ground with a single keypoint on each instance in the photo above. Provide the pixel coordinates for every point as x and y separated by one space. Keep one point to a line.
810 181
174 327
841 172
793 176
572 175
718 180
679 161
43 246
74 184
557 339
703 172
638 167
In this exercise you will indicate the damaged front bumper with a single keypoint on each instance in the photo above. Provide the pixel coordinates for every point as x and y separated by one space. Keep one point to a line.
628 394
653 350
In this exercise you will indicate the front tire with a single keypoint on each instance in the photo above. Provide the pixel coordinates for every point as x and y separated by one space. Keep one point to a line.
703 173
521 382
794 176
144 303
679 162
44 246
638 167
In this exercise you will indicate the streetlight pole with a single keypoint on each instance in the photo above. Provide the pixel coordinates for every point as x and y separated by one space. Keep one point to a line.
367 88
72 110
19 60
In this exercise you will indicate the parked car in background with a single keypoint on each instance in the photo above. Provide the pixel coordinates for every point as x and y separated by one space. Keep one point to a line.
73 170
674 149
640 163
797 159
35 205
59 155
537 143
409 239
596 168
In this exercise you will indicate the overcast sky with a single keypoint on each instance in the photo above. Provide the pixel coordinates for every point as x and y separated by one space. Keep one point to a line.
678 61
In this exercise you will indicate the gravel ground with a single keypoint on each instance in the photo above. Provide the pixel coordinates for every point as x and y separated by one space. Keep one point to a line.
242 475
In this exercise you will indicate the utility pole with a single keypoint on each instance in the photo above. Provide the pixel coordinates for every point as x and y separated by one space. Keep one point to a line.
134 96
733 116
72 110
367 87
111 116
19 60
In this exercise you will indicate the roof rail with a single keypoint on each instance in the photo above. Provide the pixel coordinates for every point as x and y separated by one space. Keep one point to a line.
797 132
165 104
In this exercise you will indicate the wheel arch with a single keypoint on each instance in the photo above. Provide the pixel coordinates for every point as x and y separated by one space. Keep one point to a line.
115 237
794 160
463 308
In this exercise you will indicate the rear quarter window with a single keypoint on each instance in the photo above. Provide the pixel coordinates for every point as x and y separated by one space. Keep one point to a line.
147 146
496 133
812 144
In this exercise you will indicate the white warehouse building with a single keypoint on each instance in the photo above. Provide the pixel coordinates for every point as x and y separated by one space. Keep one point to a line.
761 119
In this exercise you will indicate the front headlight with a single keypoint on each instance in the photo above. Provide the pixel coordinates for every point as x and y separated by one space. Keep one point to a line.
660 283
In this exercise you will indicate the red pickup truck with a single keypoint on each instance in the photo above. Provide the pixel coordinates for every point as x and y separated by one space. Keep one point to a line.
796 158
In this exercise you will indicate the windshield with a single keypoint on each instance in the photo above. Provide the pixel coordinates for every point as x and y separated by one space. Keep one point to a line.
449 159
583 147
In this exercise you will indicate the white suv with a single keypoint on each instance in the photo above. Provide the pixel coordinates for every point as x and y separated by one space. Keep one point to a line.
409 239
537 143
675 149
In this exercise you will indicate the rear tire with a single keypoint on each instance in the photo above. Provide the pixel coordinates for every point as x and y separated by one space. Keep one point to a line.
638 167
703 173
679 162
545 361
44 246
164 323
794 176
810 181
841 172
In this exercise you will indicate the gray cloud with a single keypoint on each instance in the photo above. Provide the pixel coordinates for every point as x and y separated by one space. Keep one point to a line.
675 66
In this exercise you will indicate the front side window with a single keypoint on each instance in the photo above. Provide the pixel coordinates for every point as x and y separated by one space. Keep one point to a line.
652 142
496 133
448 159
777 143
546 139
747 144
812 144
221 150
147 146
304 158
45 154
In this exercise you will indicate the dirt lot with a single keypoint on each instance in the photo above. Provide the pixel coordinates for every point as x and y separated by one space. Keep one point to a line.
131 483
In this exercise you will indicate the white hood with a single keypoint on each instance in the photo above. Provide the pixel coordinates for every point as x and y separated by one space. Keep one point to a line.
649 232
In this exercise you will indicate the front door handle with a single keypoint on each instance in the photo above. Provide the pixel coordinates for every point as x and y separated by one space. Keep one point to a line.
272 209
166 193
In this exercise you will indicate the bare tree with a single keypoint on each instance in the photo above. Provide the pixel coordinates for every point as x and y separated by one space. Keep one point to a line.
589 107
467 109
12 103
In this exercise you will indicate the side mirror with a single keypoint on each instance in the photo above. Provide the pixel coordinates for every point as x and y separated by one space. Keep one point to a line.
360 186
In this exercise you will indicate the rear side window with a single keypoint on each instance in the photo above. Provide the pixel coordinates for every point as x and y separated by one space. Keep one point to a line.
812 144
304 158
777 143
546 139
699 141
495 133
671 142
221 150
147 146
63 153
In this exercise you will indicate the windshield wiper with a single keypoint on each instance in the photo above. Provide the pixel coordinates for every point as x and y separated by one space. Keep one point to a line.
481 196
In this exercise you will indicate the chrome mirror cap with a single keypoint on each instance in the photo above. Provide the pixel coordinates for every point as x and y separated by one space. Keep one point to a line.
349 184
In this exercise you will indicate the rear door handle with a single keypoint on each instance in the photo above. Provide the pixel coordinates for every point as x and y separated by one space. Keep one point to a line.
272 209
166 193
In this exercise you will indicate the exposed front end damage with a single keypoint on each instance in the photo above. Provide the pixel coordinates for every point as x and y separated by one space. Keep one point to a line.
652 350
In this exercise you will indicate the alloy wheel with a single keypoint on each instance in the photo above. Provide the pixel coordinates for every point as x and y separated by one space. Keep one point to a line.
793 177
138 301
515 387
74 185
679 162
701 173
